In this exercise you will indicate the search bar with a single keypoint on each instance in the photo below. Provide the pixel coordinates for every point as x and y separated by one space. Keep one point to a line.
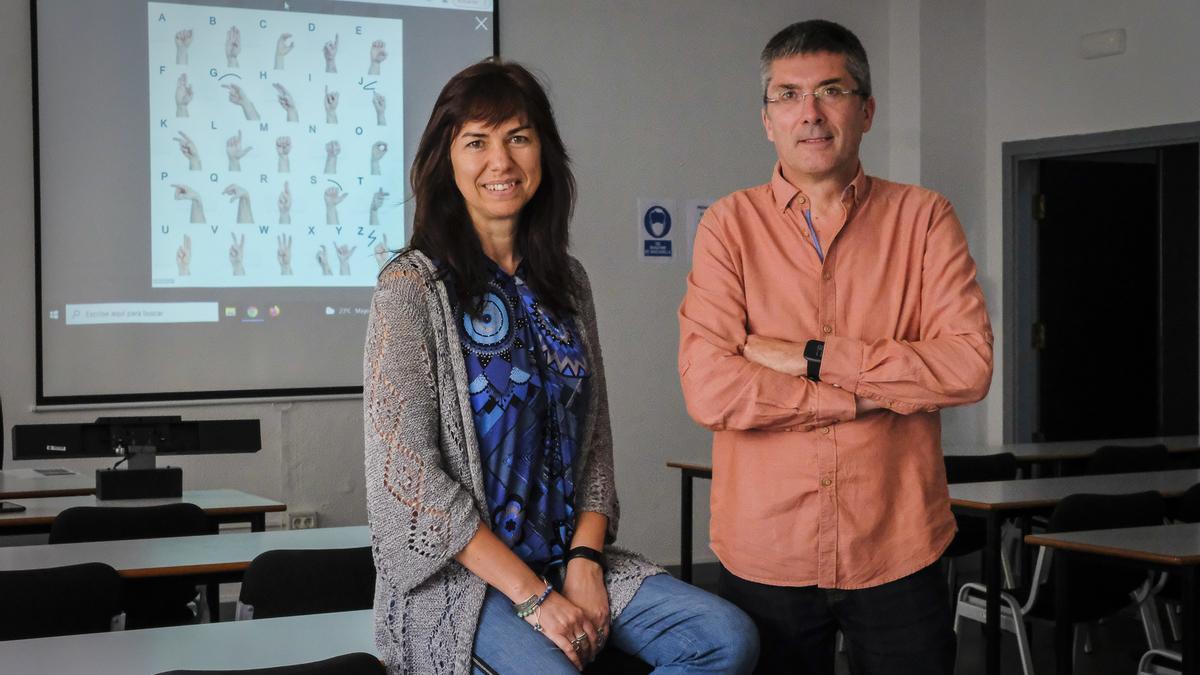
141 312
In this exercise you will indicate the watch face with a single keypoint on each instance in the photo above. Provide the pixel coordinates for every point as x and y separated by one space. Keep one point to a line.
814 349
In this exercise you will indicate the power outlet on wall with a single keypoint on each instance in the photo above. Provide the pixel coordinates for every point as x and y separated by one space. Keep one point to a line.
298 520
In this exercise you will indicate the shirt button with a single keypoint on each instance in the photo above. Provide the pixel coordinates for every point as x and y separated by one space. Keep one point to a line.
826 482
827 328
801 199
825 430
827 276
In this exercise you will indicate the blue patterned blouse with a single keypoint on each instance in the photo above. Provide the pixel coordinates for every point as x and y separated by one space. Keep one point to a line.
528 380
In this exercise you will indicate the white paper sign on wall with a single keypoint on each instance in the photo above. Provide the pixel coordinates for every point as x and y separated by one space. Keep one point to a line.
694 210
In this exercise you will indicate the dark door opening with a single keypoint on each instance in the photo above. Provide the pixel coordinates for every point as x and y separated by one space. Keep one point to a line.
1118 294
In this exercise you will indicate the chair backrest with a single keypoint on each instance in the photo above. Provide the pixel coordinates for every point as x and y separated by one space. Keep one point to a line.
980 468
1099 586
1127 459
112 523
288 583
1188 509
59 601
148 602
349 664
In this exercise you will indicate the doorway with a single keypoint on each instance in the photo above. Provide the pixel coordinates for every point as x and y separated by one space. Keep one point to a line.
1102 291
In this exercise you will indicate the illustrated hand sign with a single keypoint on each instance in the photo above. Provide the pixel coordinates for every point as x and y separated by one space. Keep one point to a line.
183 96
233 46
376 203
288 103
285 205
238 97
188 147
378 150
382 252
284 254
378 54
183 40
344 252
282 46
184 192
333 197
331 103
323 261
237 192
283 146
380 104
235 151
183 257
237 255
330 50
332 150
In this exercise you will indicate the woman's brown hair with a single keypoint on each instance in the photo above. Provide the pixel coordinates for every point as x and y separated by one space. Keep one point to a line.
493 92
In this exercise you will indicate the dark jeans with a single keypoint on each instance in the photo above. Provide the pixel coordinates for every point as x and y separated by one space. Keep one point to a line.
904 626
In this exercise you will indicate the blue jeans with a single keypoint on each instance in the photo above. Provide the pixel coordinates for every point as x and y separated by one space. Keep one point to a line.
673 626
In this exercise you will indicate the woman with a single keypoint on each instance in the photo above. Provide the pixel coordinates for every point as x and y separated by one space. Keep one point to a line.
488 448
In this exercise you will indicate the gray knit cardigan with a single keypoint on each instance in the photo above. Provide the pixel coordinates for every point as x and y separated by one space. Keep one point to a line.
425 494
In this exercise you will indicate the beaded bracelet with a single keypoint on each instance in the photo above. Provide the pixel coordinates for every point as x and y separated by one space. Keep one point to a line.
524 609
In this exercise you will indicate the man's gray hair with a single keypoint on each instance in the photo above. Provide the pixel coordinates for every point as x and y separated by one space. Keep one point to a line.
818 35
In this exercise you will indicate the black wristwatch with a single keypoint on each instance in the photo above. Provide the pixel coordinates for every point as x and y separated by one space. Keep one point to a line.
587 553
813 351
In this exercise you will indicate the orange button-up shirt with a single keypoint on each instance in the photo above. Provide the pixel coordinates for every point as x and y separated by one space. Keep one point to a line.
804 492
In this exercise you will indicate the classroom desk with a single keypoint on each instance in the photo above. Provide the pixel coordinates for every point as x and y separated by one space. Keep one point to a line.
994 501
1034 453
1160 547
210 646
18 483
998 501
212 555
1026 453
222 506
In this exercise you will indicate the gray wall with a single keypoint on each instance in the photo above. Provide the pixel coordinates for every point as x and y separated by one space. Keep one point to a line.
657 98
1038 87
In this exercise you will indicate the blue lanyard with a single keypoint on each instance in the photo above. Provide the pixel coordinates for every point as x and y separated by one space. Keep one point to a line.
813 231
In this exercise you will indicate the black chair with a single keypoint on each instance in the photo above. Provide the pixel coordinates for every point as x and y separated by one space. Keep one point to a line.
972 534
1097 587
1127 459
60 601
972 530
1170 591
289 583
148 602
1188 508
349 664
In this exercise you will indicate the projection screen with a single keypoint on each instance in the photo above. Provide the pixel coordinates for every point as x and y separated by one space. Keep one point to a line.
219 182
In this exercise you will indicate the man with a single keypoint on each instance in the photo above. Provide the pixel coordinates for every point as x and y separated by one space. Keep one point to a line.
829 315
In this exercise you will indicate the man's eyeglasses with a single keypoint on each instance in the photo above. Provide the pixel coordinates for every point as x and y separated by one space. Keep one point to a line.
830 95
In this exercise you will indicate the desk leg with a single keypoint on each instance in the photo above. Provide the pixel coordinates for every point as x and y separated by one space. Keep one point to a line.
1064 633
992 577
685 526
1191 623
212 593
258 522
